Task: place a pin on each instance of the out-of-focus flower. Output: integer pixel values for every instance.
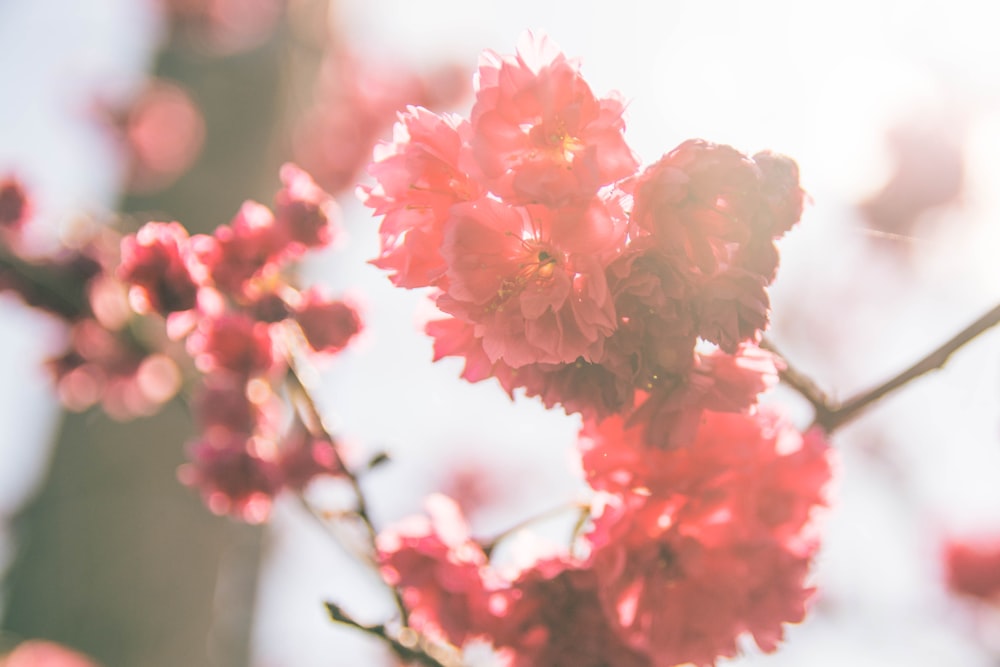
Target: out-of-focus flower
(225, 26)
(163, 131)
(929, 173)
(972, 568)
(327, 324)
(15, 206)
(304, 457)
(356, 103)
(248, 248)
(40, 653)
(232, 342)
(236, 475)
(157, 261)
(304, 211)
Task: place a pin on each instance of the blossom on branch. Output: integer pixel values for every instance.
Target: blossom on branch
(540, 136)
(696, 545)
(159, 265)
(439, 570)
(568, 272)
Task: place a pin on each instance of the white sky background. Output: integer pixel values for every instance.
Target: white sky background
(820, 82)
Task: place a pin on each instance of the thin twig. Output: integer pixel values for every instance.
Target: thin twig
(314, 422)
(410, 651)
(831, 415)
(489, 545)
(321, 519)
(822, 404)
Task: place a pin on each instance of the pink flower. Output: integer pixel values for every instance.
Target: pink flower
(539, 133)
(327, 325)
(595, 390)
(694, 202)
(221, 406)
(656, 326)
(972, 568)
(671, 408)
(106, 367)
(303, 458)
(234, 476)
(554, 618)
(700, 544)
(232, 342)
(783, 197)
(161, 268)
(162, 133)
(439, 570)
(418, 179)
(703, 203)
(592, 389)
(732, 308)
(302, 210)
(455, 338)
(732, 382)
(516, 275)
(40, 653)
(248, 247)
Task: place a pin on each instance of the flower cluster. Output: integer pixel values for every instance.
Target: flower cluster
(127, 368)
(634, 297)
(688, 549)
(147, 311)
(567, 271)
(243, 323)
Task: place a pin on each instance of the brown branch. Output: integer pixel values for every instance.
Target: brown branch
(822, 404)
(407, 647)
(322, 520)
(314, 422)
(831, 414)
(54, 286)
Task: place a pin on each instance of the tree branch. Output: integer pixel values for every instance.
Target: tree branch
(408, 646)
(314, 422)
(831, 414)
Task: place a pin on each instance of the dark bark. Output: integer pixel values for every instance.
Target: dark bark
(115, 557)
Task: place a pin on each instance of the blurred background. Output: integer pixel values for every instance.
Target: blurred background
(118, 111)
